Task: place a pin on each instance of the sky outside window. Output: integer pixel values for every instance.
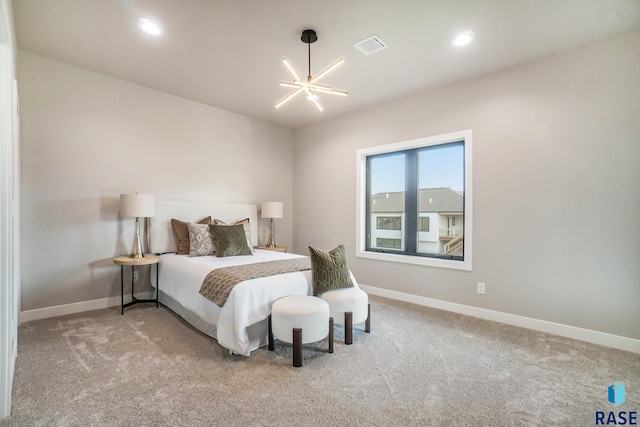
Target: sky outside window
(387, 173)
(439, 166)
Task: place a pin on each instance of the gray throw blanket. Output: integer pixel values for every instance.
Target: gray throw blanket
(218, 284)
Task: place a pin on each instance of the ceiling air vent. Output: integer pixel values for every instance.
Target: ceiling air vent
(370, 45)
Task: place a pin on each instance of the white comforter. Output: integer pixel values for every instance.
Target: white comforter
(248, 304)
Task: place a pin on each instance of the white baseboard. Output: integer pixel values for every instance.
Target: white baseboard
(78, 307)
(595, 337)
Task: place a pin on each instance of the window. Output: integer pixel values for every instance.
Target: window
(388, 243)
(415, 201)
(389, 223)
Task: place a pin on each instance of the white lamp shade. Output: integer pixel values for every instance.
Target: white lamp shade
(272, 209)
(137, 205)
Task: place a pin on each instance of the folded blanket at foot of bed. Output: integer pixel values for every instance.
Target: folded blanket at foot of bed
(217, 285)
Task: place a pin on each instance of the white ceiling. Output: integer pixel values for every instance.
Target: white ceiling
(228, 53)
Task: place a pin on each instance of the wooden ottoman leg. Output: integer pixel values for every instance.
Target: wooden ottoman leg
(271, 344)
(330, 334)
(297, 347)
(367, 323)
(348, 327)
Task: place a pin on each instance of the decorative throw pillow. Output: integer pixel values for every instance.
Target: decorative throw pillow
(329, 270)
(181, 231)
(200, 241)
(229, 240)
(247, 229)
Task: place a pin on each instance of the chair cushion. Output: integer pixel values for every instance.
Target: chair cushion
(300, 311)
(342, 300)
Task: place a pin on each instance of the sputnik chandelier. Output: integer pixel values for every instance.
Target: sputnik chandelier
(310, 86)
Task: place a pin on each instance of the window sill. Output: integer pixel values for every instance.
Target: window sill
(417, 260)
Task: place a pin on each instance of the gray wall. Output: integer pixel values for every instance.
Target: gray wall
(556, 187)
(87, 138)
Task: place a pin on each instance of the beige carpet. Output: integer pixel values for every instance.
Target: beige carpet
(418, 366)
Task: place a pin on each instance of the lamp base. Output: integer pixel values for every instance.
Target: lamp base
(271, 243)
(136, 248)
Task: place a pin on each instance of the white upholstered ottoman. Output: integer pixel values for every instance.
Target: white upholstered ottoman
(300, 319)
(348, 306)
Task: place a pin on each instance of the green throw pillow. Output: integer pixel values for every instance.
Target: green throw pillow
(329, 270)
(229, 240)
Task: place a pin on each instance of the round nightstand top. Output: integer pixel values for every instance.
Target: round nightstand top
(274, 248)
(127, 260)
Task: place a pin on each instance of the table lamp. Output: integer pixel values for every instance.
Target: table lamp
(138, 206)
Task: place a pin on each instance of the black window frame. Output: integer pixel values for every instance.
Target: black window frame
(411, 214)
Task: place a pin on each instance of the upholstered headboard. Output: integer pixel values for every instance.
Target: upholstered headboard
(162, 238)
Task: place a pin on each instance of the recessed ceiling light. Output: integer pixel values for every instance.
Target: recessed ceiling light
(149, 27)
(463, 39)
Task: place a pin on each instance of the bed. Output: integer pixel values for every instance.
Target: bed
(240, 325)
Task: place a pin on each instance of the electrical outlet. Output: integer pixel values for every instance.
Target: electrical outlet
(481, 288)
(135, 277)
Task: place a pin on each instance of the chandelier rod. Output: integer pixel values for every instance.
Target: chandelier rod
(309, 75)
(308, 37)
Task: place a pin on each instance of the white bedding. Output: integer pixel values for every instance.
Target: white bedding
(240, 325)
